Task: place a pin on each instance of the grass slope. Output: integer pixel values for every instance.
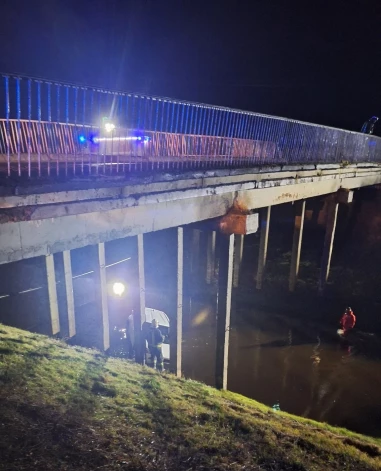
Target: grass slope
(70, 408)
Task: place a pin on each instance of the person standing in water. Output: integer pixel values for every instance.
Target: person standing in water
(348, 320)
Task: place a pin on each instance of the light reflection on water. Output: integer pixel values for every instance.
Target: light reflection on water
(312, 374)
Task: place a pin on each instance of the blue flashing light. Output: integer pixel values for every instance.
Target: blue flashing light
(82, 139)
(94, 139)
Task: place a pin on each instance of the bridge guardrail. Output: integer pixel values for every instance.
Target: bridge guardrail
(54, 128)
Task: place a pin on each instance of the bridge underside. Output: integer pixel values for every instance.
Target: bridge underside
(46, 218)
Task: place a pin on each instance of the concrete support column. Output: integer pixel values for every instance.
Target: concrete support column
(210, 256)
(225, 279)
(300, 207)
(52, 292)
(195, 252)
(238, 251)
(328, 242)
(263, 242)
(176, 334)
(69, 293)
(103, 296)
(139, 315)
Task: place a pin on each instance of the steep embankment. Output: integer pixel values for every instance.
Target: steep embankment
(69, 408)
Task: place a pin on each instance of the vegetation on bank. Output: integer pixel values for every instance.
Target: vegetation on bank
(70, 408)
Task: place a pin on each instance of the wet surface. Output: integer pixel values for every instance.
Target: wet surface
(310, 373)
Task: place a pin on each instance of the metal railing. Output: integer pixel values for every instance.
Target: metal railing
(53, 129)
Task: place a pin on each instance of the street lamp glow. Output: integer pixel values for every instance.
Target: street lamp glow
(118, 288)
(109, 127)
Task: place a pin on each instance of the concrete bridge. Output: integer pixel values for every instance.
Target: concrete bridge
(71, 179)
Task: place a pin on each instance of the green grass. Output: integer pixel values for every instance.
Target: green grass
(71, 408)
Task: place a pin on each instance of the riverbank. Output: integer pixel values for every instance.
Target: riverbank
(70, 408)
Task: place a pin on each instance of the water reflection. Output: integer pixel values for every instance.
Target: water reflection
(312, 374)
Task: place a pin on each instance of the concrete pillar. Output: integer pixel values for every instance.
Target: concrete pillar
(103, 296)
(238, 251)
(52, 293)
(176, 333)
(300, 207)
(69, 292)
(195, 252)
(139, 315)
(210, 256)
(225, 281)
(328, 242)
(263, 242)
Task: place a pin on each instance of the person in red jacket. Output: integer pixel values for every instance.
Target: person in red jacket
(348, 320)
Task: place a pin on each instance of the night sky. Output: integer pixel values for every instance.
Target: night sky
(315, 61)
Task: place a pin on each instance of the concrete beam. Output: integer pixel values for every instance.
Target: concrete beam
(328, 242)
(210, 256)
(25, 239)
(263, 242)
(116, 188)
(69, 293)
(58, 228)
(103, 297)
(177, 323)
(238, 252)
(226, 247)
(52, 293)
(300, 207)
(140, 313)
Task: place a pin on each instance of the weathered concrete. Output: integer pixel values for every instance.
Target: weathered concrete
(176, 336)
(300, 207)
(140, 315)
(226, 247)
(69, 293)
(210, 256)
(103, 297)
(52, 292)
(27, 239)
(40, 224)
(238, 252)
(263, 242)
(328, 242)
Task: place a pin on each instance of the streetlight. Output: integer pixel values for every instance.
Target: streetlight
(109, 127)
(118, 288)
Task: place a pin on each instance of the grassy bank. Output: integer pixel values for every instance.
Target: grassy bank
(69, 408)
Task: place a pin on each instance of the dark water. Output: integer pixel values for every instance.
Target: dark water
(311, 374)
